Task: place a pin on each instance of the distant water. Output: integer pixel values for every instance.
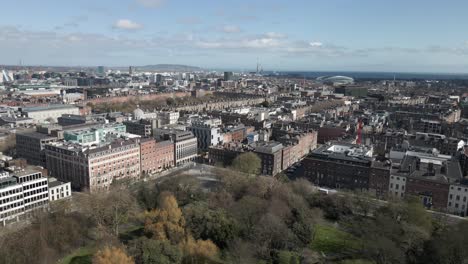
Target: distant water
(376, 75)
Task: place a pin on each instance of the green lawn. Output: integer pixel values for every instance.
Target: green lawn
(329, 239)
(84, 255)
(356, 261)
(80, 256)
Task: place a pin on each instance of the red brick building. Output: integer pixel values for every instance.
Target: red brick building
(329, 133)
(379, 179)
(346, 166)
(287, 159)
(430, 191)
(148, 155)
(164, 154)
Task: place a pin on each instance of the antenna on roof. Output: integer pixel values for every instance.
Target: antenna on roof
(257, 65)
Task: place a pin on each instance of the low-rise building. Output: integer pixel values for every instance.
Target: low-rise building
(30, 146)
(185, 144)
(148, 154)
(22, 191)
(346, 166)
(142, 127)
(164, 155)
(397, 186)
(59, 190)
(426, 174)
(458, 200)
(94, 134)
(51, 112)
(271, 155)
(207, 132)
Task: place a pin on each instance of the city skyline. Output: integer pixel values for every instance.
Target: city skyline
(296, 35)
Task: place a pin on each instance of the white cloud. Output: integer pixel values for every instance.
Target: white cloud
(275, 35)
(315, 44)
(73, 38)
(127, 24)
(243, 43)
(151, 3)
(60, 48)
(231, 29)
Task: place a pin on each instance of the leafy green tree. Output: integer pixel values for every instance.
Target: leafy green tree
(265, 104)
(287, 257)
(213, 224)
(146, 251)
(415, 214)
(447, 246)
(170, 101)
(248, 212)
(167, 223)
(248, 163)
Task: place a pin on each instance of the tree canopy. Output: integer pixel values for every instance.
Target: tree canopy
(248, 162)
(112, 255)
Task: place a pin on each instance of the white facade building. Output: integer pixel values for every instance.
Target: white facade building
(11, 199)
(21, 193)
(185, 150)
(397, 186)
(458, 200)
(207, 132)
(41, 114)
(168, 117)
(58, 190)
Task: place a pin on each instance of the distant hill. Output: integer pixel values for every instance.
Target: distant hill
(168, 67)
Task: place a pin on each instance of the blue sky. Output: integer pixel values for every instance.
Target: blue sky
(351, 35)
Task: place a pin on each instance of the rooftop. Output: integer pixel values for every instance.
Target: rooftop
(344, 151)
(36, 135)
(55, 183)
(49, 107)
(270, 147)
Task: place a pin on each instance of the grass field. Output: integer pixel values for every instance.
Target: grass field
(80, 256)
(329, 239)
(356, 261)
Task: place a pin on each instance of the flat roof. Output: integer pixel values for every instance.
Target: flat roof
(56, 183)
(47, 108)
(35, 134)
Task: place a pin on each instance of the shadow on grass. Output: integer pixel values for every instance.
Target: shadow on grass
(87, 259)
(132, 234)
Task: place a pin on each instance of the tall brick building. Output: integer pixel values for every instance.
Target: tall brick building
(271, 155)
(155, 156)
(148, 153)
(94, 168)
(164, 154)
(346, 166)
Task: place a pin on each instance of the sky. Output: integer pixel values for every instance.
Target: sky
(292, 35)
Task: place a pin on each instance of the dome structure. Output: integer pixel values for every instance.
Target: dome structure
(336, 80)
